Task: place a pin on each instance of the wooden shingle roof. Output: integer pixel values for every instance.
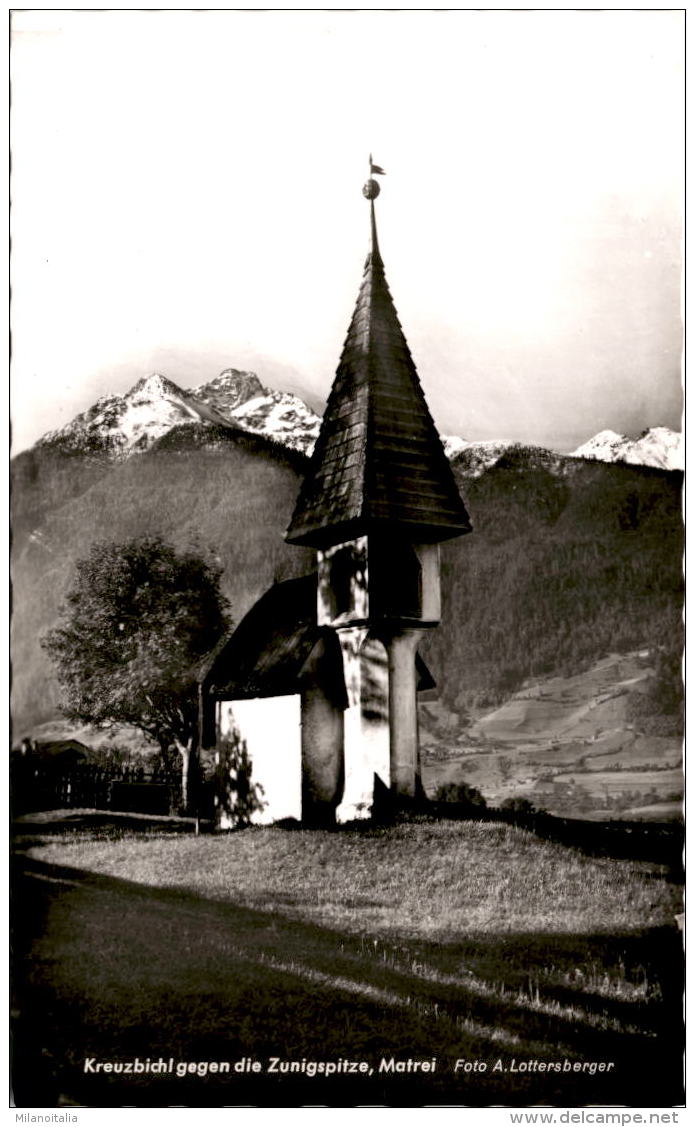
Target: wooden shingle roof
(265, 654)
(378, 460)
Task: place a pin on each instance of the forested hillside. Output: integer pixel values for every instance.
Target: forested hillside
(569, 559)
(232, 492)
(562, 568)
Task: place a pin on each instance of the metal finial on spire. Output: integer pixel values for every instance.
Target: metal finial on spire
(372, 188)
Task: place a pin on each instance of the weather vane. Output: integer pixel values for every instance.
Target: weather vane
(371, 189)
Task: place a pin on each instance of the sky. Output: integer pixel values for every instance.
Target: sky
(186, 197)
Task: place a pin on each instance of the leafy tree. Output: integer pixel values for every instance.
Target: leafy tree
(659, 710)
(137, 620)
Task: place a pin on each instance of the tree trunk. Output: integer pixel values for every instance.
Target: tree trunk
(189, 791)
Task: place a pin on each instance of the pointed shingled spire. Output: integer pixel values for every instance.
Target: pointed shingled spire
(378, 462)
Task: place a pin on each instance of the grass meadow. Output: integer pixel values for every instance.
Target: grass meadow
(476, 942)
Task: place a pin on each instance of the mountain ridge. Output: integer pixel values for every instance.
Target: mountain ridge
(119, 426)
(122, 425)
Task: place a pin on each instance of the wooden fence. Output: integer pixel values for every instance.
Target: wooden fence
(39, 785)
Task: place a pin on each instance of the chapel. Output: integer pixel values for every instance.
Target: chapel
(320, 680)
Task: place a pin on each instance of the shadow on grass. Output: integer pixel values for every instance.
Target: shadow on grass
(102, 823)
(114, 970)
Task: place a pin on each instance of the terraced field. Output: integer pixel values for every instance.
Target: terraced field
(566, 744)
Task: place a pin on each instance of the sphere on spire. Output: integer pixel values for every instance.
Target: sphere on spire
(371, 189)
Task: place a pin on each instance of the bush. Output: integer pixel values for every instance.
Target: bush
(519, 806)
(462, 794)
(238, 798)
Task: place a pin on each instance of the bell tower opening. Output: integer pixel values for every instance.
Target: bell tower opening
(341, 573)
(395, 579)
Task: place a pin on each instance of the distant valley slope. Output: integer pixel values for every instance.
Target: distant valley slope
(573, 745)
(572, 558)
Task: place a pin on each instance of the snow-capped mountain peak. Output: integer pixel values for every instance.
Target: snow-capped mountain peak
(282, 416)
(473, 458)
(121, 425)
(245, 402)
(152, 386)
(659, 447)
(230, 389)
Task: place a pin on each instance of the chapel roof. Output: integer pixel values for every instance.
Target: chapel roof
(267, 651)
(267, 654)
